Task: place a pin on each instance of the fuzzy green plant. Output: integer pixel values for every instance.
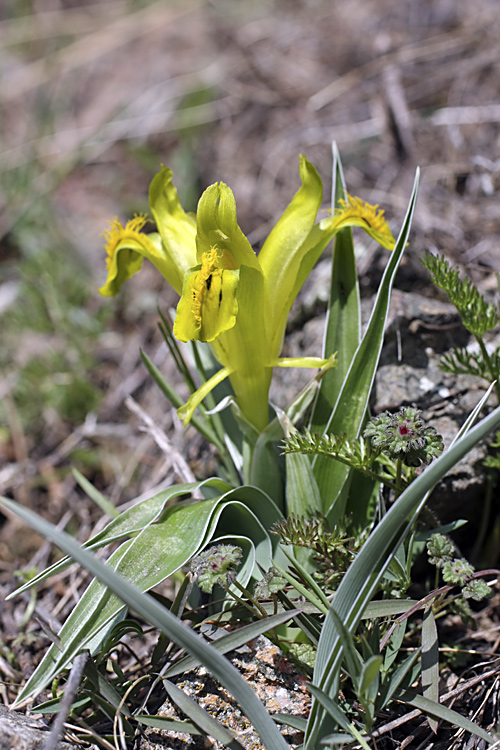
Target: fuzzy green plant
(391, 448)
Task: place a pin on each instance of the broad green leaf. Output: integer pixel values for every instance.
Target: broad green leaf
(263, 508)
(159, 617)
(387, 608)
(157, 552)
(302, 493)
(393, 645)
(266, 469)
(296, 722)
(127, 524)
(369, 672)
(352, 403)
(364, 575)
(148, 559)
(342, 331)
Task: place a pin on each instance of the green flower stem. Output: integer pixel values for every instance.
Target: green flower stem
(304, 591)
(489, 364)
(254, 607)
(399, 478)
(260, 613)
(363, 469)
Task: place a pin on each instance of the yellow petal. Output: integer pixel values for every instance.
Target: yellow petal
(356, 213)
(208, 305)
(125, 249)
(306, 362)
(177, 228)
(186, 411)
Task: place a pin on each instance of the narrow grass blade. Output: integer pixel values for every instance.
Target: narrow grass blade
(342, 329)
(98, 498)
(392, 685)
(171, 394)
(338, 715)
(309, 626)
(234, 640)
(430, 661)
(199, 716)
(296, 722)
(352, 403)
(438, 711)
(169, 725)
(162, 619)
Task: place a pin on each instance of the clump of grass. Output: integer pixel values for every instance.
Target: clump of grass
(49, 333)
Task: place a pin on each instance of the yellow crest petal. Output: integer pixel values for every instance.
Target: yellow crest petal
(117, 232)
(355, 212)
(208, 305)
(125, 248)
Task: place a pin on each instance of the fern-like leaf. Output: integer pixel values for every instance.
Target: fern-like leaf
(478, 316)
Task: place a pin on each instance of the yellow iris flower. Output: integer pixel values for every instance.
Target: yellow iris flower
(230, 297)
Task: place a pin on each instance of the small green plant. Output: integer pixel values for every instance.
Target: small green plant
(53, 364)
(226, 340)
(391, 448)
(332, 551)
(478, 316)
(456, 571)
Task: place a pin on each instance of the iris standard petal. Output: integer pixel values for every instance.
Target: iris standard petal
(176, 228)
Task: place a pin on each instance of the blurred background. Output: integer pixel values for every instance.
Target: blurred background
(95, 96)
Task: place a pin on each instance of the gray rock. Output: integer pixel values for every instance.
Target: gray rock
(20, 732)
(275, 681)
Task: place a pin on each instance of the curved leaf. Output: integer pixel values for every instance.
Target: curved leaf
(161, 618)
